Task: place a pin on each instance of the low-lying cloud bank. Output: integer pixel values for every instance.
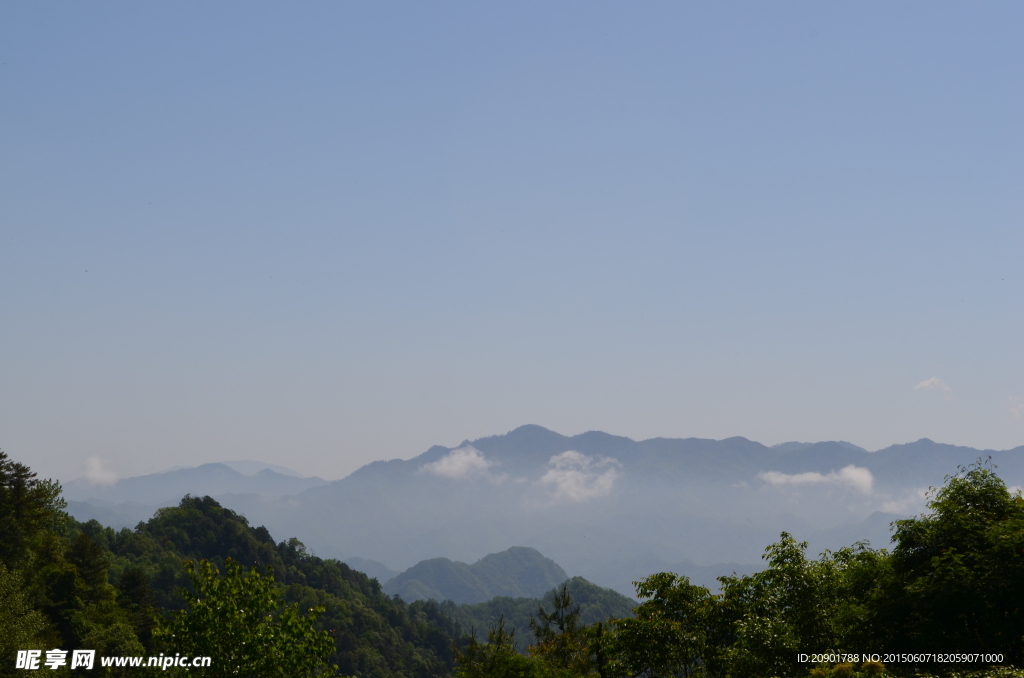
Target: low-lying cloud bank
(856, 477)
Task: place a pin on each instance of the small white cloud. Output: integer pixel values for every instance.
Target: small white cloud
(912, 502)
(855, 476)
(933, 384)
(97, 473)
(464, 463)
(1016, 408)
(577, 477)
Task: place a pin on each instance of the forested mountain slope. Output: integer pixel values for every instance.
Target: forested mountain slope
(518, 572)
(597, 604)
(70, 585)
(374, 632)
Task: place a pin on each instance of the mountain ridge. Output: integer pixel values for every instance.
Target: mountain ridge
(516, 572)
(205, 479)
(609, 508)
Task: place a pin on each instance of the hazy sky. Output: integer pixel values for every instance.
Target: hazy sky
(323, 234)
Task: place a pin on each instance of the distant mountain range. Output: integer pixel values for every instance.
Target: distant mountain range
(131, 500)
(606, 507)
(211, 479)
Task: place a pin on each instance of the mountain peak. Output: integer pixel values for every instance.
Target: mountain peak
(517, 572)
(248, 467)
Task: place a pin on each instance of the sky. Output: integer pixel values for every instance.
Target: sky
(325, 234)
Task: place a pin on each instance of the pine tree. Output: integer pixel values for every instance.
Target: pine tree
(29, 507)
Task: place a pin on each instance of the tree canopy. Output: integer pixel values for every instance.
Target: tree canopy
(237, 619)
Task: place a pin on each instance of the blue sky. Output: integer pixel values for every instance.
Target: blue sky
(327, 234)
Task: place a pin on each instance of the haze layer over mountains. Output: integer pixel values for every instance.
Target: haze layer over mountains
(605, 507)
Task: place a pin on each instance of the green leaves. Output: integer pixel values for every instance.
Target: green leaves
(562, 642)
(957, 575)
(498, 658)
(674, 630)
(237, 620)
(20, 624)
(29, 508)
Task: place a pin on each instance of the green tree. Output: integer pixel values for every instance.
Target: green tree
(498, 658)
(793, 605)
(19, 623)
(135, 596)
(90, 559)
(956, 578)
(29, 508)
(674, 631)
(558, 633)
(566, 644)
(754, 628)
(237, 620)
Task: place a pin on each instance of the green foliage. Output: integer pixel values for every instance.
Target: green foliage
(566, 644)
(994, 672)
(29, 508)
(237, 620)
(135, 596)
(957, 574)
(498, 658)
(90, 561)
(59, 591)
(791, 606)
(755, 627)
(953, 583)
(559, 633)
(595, 602)
(20, 624)
(374, 635)
(565, 647)
(676, 631)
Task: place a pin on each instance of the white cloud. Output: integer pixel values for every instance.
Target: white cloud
(97, 473)
(913, 501)
(933, 384)
(462, 464)
(577, 477)
(855, 476)
(1016, 408)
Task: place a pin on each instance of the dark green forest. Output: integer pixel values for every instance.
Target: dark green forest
(69, 585)
(596, 604)
(197, 579)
